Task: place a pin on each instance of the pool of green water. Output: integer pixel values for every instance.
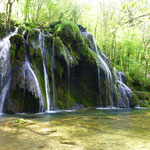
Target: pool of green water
(95, 129)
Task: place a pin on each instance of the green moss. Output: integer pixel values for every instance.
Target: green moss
(70, 34)
(33, 36)
(144, 104)
(17, 99)
(64, 100)
(134, 100)
(61, 50)
(48, 61)
(17, 49)
(21, 120)
(37, 63)
(71, 37)
(54, 23)
(59, 70)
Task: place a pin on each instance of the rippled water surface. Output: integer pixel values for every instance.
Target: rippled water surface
(95, 129)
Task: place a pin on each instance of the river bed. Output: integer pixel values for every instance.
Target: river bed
(94, 129)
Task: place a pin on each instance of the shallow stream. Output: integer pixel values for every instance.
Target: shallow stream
(95, 129)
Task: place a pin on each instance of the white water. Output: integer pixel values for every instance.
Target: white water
(122, 88)
(27, 66)
(56, 111)
(3, 94)
(47, 87)
(5, 68)
(4, 54)
(108, 108)
(109, 76)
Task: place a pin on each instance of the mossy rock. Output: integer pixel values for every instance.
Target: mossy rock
(63, 98)
(36, 58)
(33, 37)
(134, 100)
(61, 50)
(17, 49)
(53, 24)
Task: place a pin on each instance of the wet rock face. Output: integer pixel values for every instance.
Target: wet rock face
(23, 91)
(78, 72)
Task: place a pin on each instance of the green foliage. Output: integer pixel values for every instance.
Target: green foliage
(21, 29)
(144, 103)
(33, 35)
(143, 95)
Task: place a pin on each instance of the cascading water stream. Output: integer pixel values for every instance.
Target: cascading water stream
(27, 67)
(47, 87)
(5, 68)
(124, 90)
(109, 76)
(3, 94)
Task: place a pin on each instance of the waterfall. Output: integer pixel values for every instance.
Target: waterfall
(53, 77)
(124, 91)
(5, 68)
(3, 94)
(47, 87)
(27, 66)
(109, 76)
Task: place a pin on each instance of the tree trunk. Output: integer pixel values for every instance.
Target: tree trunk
(8, 13)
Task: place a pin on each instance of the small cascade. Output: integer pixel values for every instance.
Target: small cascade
(109, 76)
(3, 94)
(5, 68)
(47, 87)
(53, 76)
(124, 91)
(28, 67)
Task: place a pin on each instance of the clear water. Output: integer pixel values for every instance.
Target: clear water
(96, 129)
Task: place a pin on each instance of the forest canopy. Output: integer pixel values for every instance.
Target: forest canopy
(121, 28)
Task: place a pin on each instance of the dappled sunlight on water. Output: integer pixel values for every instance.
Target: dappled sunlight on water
(124, 129)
